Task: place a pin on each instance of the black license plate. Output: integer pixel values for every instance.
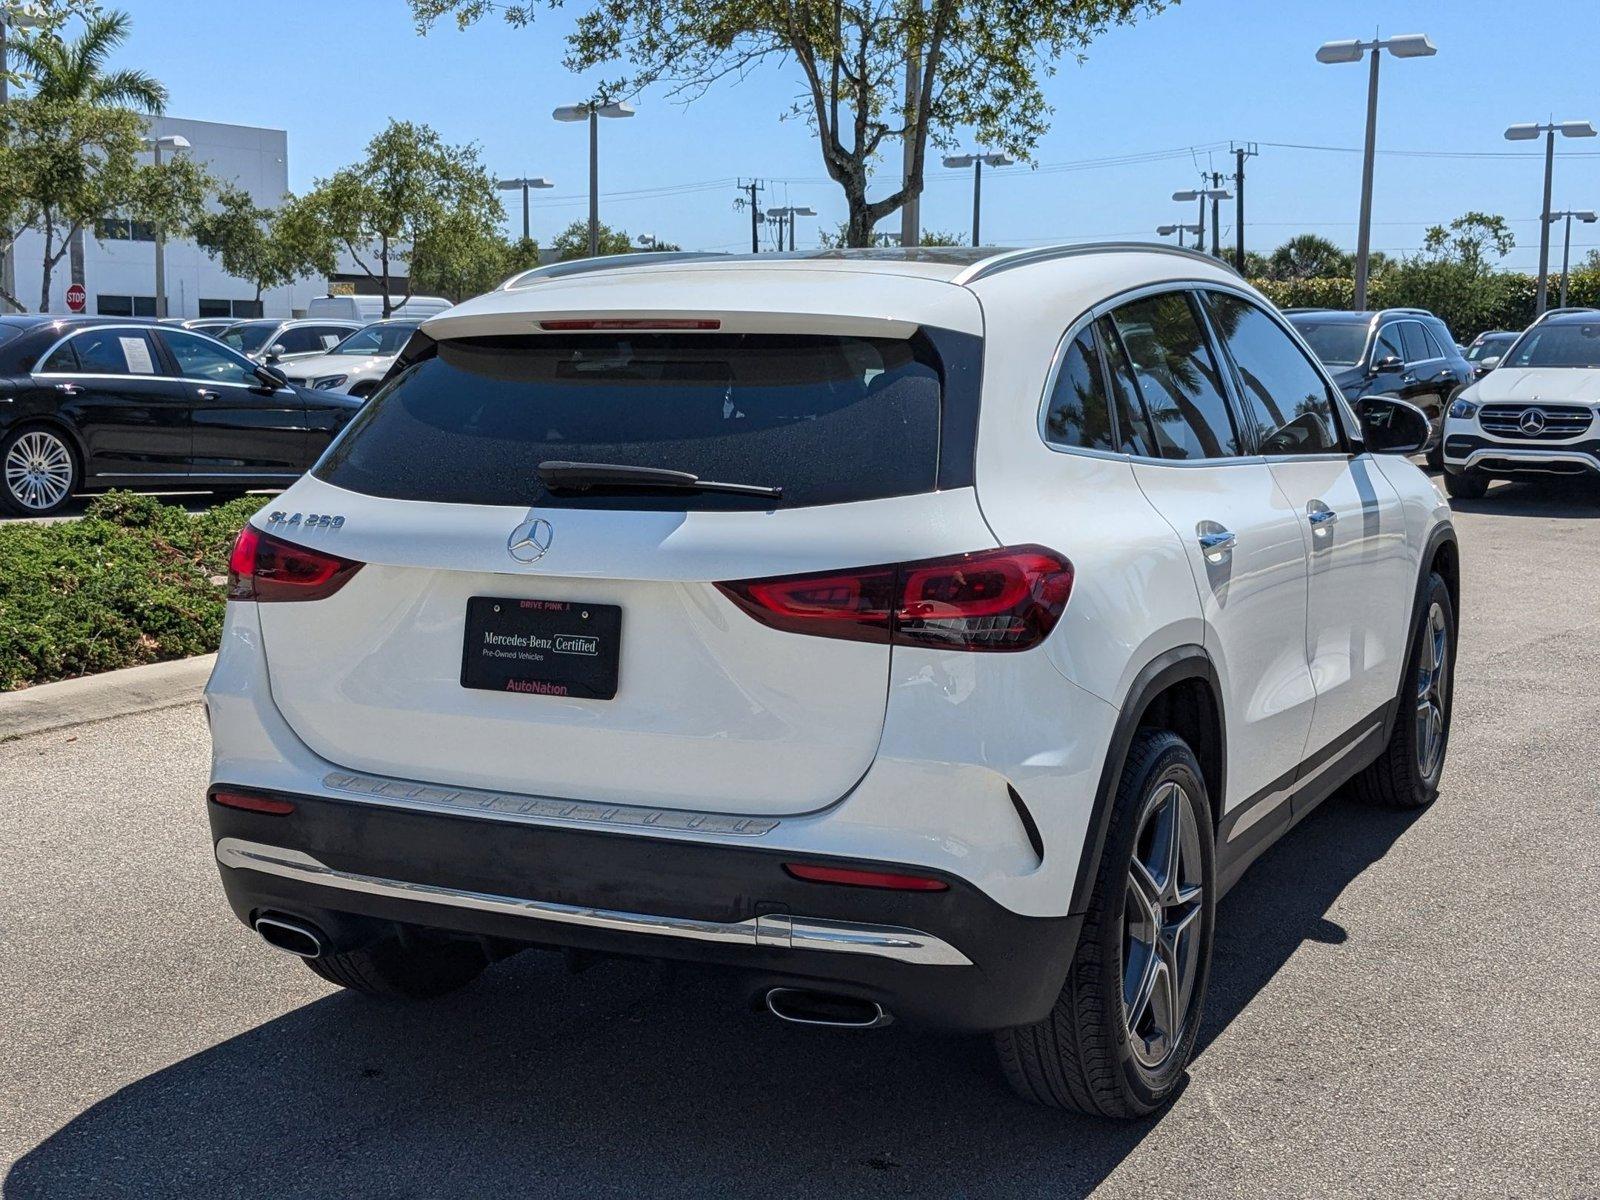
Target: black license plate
(542, 647)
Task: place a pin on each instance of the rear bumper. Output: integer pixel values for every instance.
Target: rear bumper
(952, 958)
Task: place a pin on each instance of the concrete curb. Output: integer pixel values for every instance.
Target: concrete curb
(101, 697)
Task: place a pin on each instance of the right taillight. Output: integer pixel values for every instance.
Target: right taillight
(268, 569)
(1006, 599)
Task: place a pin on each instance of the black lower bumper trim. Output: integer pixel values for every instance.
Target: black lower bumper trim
(1016, 965)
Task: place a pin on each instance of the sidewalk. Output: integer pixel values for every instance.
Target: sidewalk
(100, 697)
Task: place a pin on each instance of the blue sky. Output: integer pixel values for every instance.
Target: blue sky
(1169, 93)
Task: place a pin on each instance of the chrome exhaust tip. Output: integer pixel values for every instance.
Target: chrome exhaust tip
(799, 1006)
(292, 937)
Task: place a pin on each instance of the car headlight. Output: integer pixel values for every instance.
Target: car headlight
(328, 381)
(1462, 409)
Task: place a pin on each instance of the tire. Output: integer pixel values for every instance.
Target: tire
(39, 471)
(403, 968)
(1435, 457)
(1406, 774)
(1085, 1055)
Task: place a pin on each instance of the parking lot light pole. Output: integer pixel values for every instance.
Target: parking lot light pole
(522, 185)
(781, 215)
(1180, 230)
(1528, 133)
(976, 162)
(591, 112)
(177, 142)
(1406, 45)
(1571, 214)
(1202, 195)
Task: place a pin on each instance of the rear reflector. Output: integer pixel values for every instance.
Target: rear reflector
(850, 877)
(1006, 599)
(260, 804)
(592, 324)
(265, 568)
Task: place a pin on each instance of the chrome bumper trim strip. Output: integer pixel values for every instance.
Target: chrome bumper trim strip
(781, 930)
(540, 808)
(1534, 458)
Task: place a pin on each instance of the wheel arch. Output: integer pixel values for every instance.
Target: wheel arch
(1177, 690)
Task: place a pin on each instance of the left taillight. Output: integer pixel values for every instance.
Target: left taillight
(1005, 599)
(268, 569)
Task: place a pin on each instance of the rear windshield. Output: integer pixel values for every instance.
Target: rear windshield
(828, 419)
(248, 337)
(1563, 345)
(1336, 343)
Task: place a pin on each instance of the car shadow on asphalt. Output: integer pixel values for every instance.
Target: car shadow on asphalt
(629, 1080)
(1575, 498)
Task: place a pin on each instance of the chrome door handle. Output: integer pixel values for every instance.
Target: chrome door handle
(1322, 516)
(70, 389)
(1217, 541)
(207, 394)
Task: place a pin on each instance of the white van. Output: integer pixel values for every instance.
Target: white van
(370, 308)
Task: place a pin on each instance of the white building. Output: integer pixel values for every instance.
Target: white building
(119, 257)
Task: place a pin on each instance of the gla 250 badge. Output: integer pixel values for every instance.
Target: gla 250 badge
(283, 520)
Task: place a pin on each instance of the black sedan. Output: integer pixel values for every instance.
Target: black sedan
(88, 403)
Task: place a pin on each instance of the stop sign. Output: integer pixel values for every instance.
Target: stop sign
(77, 298)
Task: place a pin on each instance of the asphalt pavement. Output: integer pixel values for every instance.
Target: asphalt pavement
(1401, 1004)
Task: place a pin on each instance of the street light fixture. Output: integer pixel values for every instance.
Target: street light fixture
(591, 112)
(1527, 133)
(1406, 45)
(1570, 215)
(1180, 230)
(1202, 195)
(960, 162)
(788, 214)
(522, 185)
(176, 142)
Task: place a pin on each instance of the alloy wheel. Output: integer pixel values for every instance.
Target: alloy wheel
(38, 470)
(1432, 680)
(1161, 926)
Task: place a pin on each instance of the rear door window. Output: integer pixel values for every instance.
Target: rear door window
(1177, 376)
(1415, 337)
(827, 419)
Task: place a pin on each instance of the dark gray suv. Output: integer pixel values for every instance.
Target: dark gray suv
(1404, 352)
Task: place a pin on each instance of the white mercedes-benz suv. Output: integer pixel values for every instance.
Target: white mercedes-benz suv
(1536, 413)
(931, 635)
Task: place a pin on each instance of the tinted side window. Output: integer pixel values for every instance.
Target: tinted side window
(298, 340)
(1133, 427)
(62, 359)
(1177, 377)
(1285, 398)
(1415, 338)
(203, 359)
(1078, 414)
(1388, 344)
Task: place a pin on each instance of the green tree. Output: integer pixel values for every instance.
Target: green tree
(573, 241)
(980, 64)
(1308, 256)
(1470, 241)
(414, 202)
(71, 147)
(942, 237)
(253, 243)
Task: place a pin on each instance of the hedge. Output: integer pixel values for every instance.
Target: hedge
(134, 581)
(1468, 302)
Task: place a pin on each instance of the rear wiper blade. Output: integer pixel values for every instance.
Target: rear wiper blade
(558, 475)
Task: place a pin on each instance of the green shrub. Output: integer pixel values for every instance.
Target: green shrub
(134, 581)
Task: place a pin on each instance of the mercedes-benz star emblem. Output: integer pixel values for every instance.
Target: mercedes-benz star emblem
(1531, 422)
(530, 541)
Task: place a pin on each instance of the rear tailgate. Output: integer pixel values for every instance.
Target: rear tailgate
(712, 711)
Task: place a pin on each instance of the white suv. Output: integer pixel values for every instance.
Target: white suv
(1536, 413)
(931, 635)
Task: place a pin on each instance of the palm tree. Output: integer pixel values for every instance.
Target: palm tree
(1308, 256)
(68, 76)
(73, 72)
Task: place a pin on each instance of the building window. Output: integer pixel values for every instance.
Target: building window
(125, 306)
(122, 229)
(239, 310)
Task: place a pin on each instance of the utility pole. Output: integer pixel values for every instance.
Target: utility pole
(751, 189)
(1241, 151)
